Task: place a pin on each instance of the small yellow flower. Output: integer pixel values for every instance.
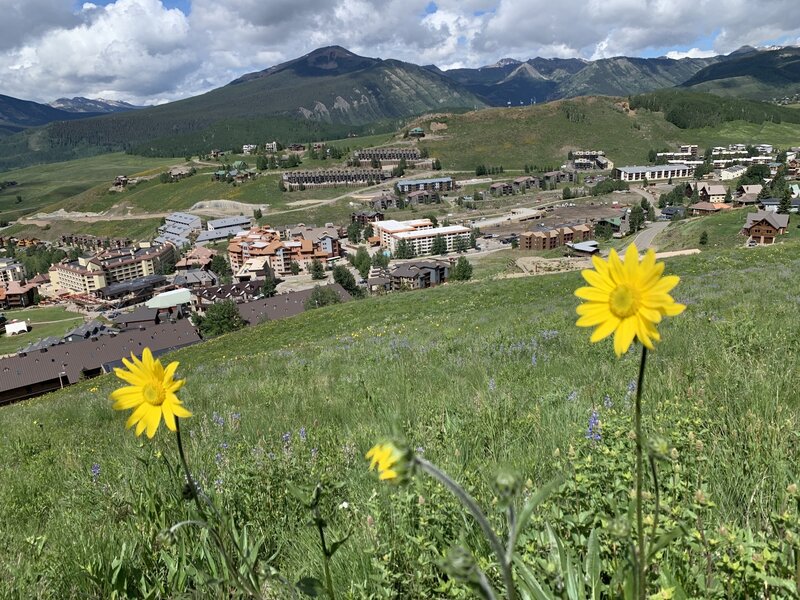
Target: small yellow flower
(386, 458)
(151, 393)
(627, 299)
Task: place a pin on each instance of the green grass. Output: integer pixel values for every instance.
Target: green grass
(453, 369)
(10, 344)
(135, 229)
(44, 185)
(723, 232)
(543, 135)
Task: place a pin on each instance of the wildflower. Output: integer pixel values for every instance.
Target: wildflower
(218, 420)
(314, 453)
(287, 438)
(593, 431)
(492, 385)
(533, 360)
(389, 460)
(627, 299)
(224, 445)
(303, 434)
(573, 395)
(95, 472)
(631, 386)
(607, 401)
(344, 505)
(151, 393)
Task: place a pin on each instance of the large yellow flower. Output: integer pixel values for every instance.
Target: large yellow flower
(151, 393)
(627, 299)
(386, 458)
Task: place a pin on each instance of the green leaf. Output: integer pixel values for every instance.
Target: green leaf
(592, 566)
(338, 544)
(535, 500)
(532, 586)
(311, 586)
(662, 541)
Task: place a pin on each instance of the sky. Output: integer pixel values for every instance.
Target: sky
(155, 51)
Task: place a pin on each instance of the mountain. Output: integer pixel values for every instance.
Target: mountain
(328, 93)
(759, 75)
(79, 104)
(16, 114)
(541, 79)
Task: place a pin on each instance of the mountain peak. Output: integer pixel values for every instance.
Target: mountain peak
(79, 104)
(503, 62)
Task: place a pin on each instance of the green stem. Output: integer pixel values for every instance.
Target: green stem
(475, 510)
(640, 563)
(654, 472)
(211, 528)
(325, 555)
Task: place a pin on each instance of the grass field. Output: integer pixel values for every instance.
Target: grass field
(45, 185)
(136, 229)
(543, 135)
(478, 376)
(40, 326)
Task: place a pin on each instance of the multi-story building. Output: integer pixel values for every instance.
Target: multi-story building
(11, 270)
(419, 234)
(266, 242)
(363, 217)
(389, 154)
(654, 172)
(86, 275)
(324, 238)
(437, 184)
(332, 177)
(547, 239)
(182, 219)
(271, 147)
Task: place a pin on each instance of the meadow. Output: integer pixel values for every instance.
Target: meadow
(477, 377)
(45, 185)
(44, 322)
(136, 229)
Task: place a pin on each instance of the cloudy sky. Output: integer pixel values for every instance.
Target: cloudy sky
(153, 51)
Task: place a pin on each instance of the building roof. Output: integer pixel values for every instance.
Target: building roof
(181, 217)
(217, 234)
(449, 229)
(424, 181)
(652, 168)
(414, 269)
(133, 285)
(228, 222)
(195, 277)
(707, 206)
(774, 219)
(169, 299)
(283, 305)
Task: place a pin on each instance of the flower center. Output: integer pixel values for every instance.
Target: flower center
(624, 301)
(153, 394)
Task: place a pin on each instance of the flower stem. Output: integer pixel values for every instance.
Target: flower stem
(326, 556)
(641, 557)
(189, 479)
(475, 510)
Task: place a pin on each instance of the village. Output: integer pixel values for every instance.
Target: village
(413, 226)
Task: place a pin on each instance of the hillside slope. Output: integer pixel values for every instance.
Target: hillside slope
(757, 75)
(477, 376)
(16, 114)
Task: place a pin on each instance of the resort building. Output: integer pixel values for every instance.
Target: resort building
(654, 172)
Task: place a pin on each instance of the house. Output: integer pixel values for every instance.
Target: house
(18, 294)
(296, 148)
(672, 213)
(416, 132)
(707, 208)
(501, 189)
(795, 190)
(613, 223)
(131, 291)
(419, 234)
(769, 204)
(520, 184)
(195, 278)
(708, 192)
(249, 148)
(390, 156)
(589, 248)
(383, 201)
(120, 181)
(245, 291)
(422, 197)
(763, 227)
(271, 147)
(185, 220)
(229, 224)
(364, 217)
(355, 176)
(553, 178)
(178, 173)
(197, 258)
(419, 274)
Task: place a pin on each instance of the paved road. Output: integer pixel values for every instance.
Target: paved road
(645, 239)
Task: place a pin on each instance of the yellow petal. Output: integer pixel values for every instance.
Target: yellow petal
(169, 372)
(179, 410)
(592, 319)
(126, 397)
(153, 418)
(388, 474)
(590, 308)
(623, 338)
(136, 416)
(591, 294)
(129, 377)
(631, 258)
(643, 335)
(665, 284)
(673, 309)
(650, 314)
(169, 416)
(605, 329)
(594, 279)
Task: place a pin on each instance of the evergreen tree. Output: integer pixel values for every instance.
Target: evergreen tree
(368, 231)
(270, 287)
(785, 204)
(404, 250)
(344, 278)
(461, 245)
(316, 269)
(321, 296)
(704, 238)
(221, 267)
(221, 317)
(566, 194)
(354, 232)
(439, 245)
(294, 267)
(362, 261)
(651, 213)
(379, 259)
(462, 271)
(636, 219)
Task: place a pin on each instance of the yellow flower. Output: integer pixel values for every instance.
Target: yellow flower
(151, 393)
(627, 298)
(386, 458)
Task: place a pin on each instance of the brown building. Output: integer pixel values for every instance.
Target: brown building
(364, 217)
(501, 189)
(763, 227)
(332, 177)
(547, 239)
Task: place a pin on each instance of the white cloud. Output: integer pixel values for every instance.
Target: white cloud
(138, 50)
(691, 53)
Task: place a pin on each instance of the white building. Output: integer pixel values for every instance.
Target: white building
(181, 219)
(653, 173)
(271, 147)
(732, 172)
(419, 234)
(249, 148)
(11, 270)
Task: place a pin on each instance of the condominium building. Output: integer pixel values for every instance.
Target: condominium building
(332, 177)
(88, 274)
(11, 270)
(435, 184)
(419, 234)
(654, 172)
(547, 239)
(266, 242)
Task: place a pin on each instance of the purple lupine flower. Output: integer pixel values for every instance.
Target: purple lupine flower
(631, 386)
(593, 430)
(303, 434)
(314, 453)
(573, 395)
(95, 472)
(492, 385)
(533, 360)
(218, 420)
(607, 401)
(287, 438)
(419, 450)
(271, 456)
(218, 458)
(236, 416)
(224, 445)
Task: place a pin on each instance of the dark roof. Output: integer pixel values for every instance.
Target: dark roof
(134, 285)
(71, 360)
(774, 219)
(230, 291)
(282, 305)
(413, 269)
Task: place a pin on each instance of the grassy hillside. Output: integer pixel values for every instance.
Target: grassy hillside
(135, 229)
(544, 134)
(45, 185)
(44, 322)
(477, 376)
